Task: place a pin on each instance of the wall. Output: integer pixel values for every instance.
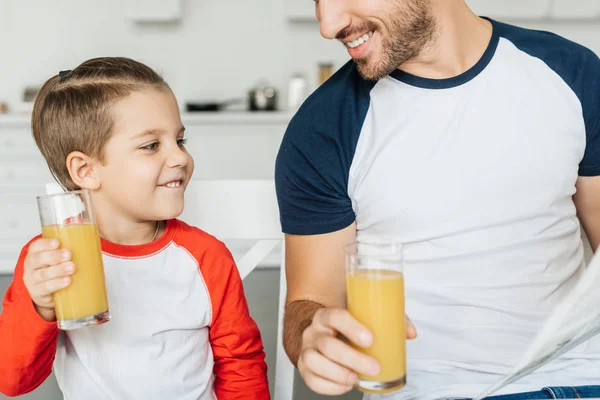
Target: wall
(220, 49)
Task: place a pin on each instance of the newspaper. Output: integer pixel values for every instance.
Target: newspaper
(575, 320)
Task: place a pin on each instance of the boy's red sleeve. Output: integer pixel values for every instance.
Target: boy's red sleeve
(27, 342)
(240, 369)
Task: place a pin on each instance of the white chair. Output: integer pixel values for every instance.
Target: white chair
(245, 210)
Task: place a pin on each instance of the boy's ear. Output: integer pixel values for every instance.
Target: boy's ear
(83, 170)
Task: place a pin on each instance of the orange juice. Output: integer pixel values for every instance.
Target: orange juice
(86, 295)
(376, 299)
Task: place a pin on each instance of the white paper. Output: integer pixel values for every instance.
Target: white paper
(575, 320)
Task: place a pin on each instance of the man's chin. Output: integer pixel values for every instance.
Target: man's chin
(369, 72)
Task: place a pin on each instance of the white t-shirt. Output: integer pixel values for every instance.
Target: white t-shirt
(475, 174)
(180, 328)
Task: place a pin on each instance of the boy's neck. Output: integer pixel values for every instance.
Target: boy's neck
(129, 233)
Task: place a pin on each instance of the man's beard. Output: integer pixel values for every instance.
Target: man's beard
(411, 28)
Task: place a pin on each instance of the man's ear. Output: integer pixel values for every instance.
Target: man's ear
(83, 170)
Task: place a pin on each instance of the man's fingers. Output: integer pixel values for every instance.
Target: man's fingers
(321, 366)
(344, 355)
(323, 386)
(341, 321)
(411, 331)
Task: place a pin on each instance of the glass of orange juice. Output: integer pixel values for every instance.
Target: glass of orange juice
(375, 297)
(69, 217)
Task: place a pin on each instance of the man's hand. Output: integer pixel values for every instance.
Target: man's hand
(327, 364)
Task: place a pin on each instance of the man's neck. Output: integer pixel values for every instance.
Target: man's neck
(460, 40)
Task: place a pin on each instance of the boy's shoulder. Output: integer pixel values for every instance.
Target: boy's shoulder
(199, 243)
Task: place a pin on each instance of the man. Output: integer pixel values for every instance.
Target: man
(475, 143)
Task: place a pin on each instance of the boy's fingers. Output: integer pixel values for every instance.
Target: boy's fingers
(55, 271)
(43, 244)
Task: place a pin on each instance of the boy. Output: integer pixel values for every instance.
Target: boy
(180, 326)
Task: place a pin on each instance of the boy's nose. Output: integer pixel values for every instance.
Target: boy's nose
(178, 157)
(333, 17)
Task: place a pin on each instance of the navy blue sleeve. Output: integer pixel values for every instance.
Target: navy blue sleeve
(313, 163)
(579, 67)
(590, 99)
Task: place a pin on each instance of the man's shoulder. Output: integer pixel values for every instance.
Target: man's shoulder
(326, 127)
(345, 95)
(550, 47)
(316, 153)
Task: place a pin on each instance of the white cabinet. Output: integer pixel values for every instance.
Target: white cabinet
(154, 10)
(304, 10)
(300, 10)
(224, 145)
(512, 9)
(576, 9)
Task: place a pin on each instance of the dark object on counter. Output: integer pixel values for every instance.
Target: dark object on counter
(262, 98)
(3, 107)
(29, 93)
(325, 72)
(210, 105)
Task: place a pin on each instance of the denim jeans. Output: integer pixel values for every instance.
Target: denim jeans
(554, 392)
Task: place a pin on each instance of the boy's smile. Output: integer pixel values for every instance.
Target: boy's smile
(146, 167)
(176, 184)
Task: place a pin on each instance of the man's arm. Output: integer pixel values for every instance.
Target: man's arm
(315, 279)
(587, 202)
(315, 314)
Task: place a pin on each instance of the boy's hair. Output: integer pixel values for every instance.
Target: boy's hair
(72, 109)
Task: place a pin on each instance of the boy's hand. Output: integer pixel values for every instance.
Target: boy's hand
(46, 270)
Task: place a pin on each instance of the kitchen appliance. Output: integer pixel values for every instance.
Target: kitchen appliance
(210, 106)
(262, 98)
(325, 72)
(297, 91)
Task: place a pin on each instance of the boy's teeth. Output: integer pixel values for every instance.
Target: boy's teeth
(173, 184)
(355, 43)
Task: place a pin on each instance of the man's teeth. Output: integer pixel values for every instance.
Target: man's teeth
(173, 184)
(355, 43)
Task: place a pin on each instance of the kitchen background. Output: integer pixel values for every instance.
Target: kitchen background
(216, 49)
(208, 50)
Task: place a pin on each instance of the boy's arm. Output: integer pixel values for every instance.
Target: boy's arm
(27, 342)
(240, 369)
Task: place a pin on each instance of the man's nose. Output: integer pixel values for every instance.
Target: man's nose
(333, 17)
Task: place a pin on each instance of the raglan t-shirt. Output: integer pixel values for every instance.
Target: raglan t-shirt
(475, 175)
(180, 329)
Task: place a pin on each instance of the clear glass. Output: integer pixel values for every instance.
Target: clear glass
(375, 297)
(69, 217)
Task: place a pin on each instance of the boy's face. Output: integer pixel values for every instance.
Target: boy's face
(146, 167)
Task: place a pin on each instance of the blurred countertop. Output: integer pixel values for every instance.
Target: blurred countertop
(218, 117)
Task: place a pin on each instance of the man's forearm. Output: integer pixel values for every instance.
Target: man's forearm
(298, 316)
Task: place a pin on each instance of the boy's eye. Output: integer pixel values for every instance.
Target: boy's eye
(151, 146)
(181, 142)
